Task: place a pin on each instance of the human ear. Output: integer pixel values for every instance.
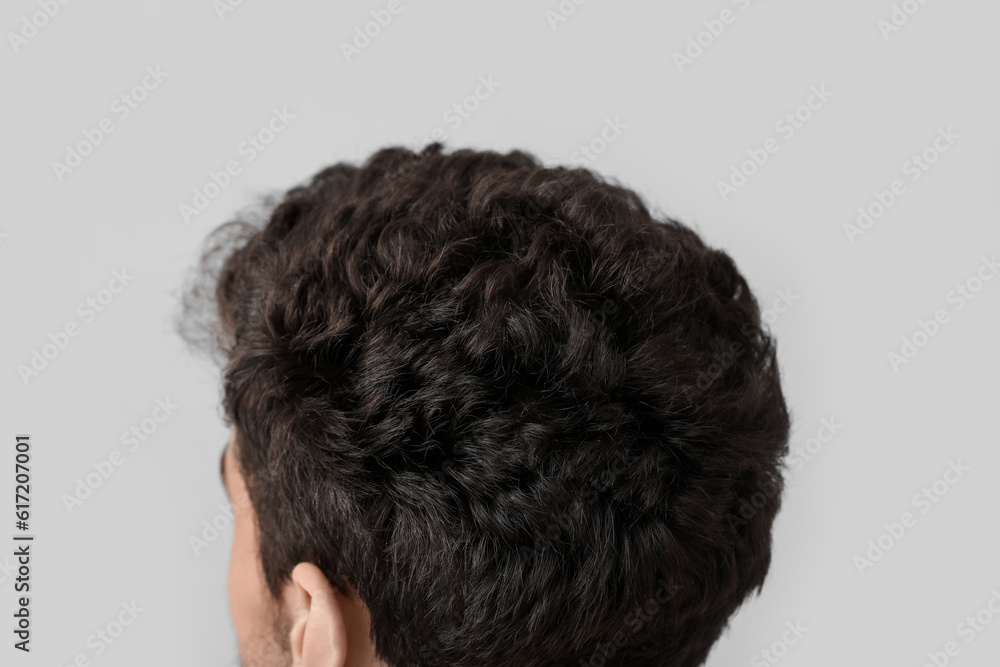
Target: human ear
(319, 634)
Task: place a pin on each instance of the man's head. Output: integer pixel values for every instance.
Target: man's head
(489, 413)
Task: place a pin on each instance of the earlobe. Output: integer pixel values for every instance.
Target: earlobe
(319, 632)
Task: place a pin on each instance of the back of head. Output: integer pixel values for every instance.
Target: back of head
(516, 412)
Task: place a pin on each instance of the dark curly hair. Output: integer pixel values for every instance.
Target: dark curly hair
(478, 390)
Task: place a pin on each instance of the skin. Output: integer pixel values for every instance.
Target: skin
(311, 624)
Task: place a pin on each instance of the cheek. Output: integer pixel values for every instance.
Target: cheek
(248, 603)
(237, 581)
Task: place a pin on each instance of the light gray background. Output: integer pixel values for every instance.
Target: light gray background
(685, 129)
